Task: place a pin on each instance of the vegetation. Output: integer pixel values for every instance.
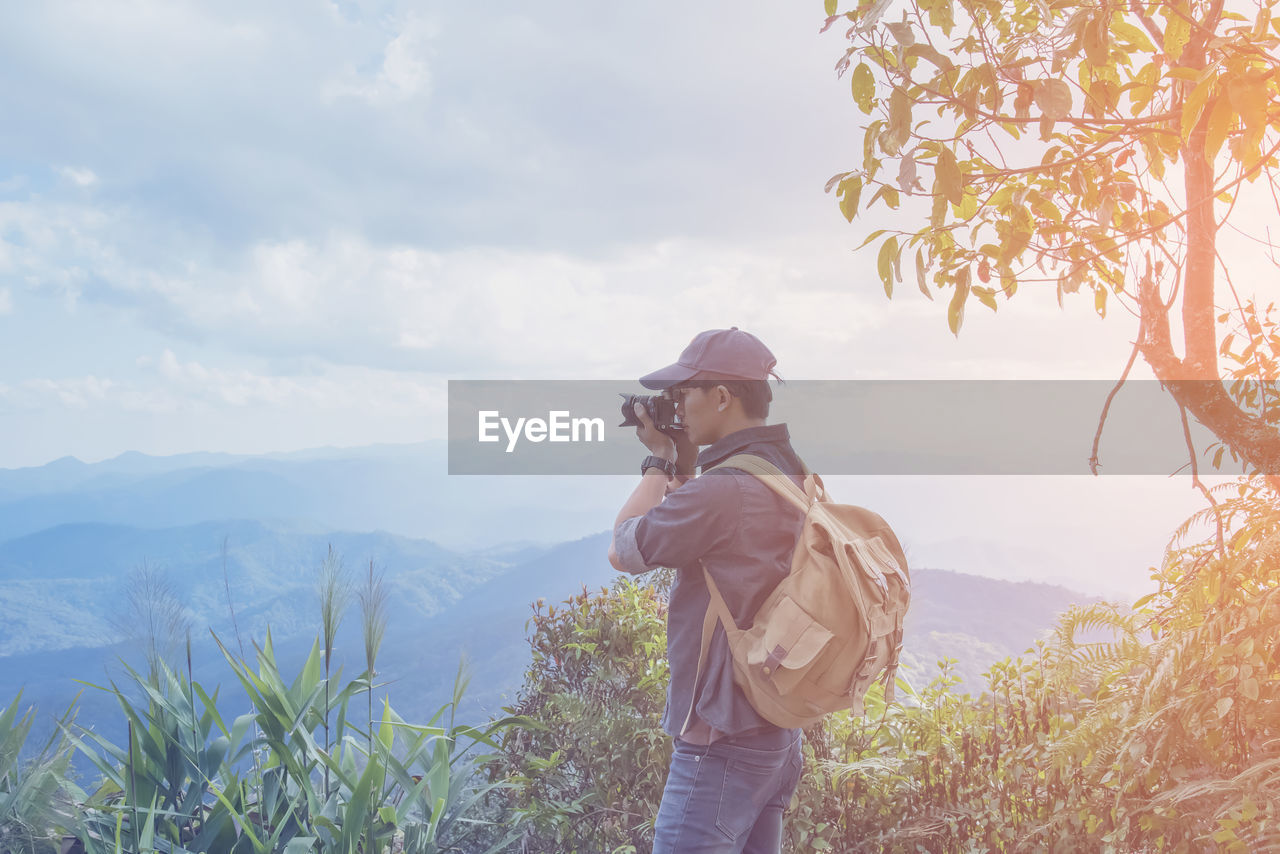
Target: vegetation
(1149, 728)
(1142, 729)
(290, 774)
(588, 763)
(1095, 147)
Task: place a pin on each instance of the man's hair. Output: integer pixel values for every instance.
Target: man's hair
(755, 395)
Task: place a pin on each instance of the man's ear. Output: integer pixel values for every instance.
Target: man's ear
(723, 398)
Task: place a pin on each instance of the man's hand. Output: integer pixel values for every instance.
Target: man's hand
(658, 443)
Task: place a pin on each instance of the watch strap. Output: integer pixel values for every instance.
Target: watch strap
(668, 467)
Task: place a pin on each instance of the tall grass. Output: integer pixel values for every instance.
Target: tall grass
(290, 775)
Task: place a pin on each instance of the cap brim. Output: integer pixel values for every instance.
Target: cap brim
(665, 378)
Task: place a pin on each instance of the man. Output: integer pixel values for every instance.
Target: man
(732, 772)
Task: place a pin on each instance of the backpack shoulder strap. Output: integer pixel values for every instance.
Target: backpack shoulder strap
(773, 477)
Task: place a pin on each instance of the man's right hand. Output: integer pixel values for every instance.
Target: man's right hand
(659, 444)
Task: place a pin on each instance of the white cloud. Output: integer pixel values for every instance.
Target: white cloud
(326, 388)
(403, 74)
(506, 312)
(73, 393)
(6, 302)
(80, 177)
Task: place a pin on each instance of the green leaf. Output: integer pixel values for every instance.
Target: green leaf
(1053, 97)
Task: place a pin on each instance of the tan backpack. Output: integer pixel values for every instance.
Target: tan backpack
(832, 625)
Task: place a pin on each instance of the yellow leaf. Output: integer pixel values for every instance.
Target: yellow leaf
(1194, 104)
(1222, 119)
(947, 177)
(1177, 32)
(863, 84)
(1249, 98)
(1133, 37)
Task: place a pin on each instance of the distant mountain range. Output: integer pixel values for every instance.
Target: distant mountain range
(401, 488)
(248, 535)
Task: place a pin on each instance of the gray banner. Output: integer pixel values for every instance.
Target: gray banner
(846, 427)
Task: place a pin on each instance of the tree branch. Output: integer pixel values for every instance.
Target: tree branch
(1102, 420)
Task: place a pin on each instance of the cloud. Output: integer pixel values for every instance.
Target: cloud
(79, 177)
(325, 388)
(6, 302)
(72, 393)
(168, 384)
(237, 122)
(475, 311)
(403, 75)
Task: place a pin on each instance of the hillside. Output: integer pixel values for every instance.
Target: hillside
(62, 591)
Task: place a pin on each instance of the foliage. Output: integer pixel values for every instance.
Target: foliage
(1092, 147)
(1148, 728)
(588, 767)
(34, 796)
(154, 617)
(180, 783)
(1165, 736)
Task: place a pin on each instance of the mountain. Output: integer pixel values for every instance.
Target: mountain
(975, 620)
(405, 489)
(65, 591)
(237, 542)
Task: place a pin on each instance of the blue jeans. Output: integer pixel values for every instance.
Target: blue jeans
(726, 798)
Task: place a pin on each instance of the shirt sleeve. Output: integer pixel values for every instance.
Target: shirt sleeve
(624, 543)
(694, 519)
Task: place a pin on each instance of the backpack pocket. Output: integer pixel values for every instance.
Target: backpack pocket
(792, 641)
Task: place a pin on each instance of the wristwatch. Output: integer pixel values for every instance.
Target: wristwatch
(652, 462)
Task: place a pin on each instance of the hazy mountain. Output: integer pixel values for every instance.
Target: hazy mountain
(66, 590)
(239, 542)
(405, 489)
(975, 620)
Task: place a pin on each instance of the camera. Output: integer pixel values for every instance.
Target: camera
(660, 410)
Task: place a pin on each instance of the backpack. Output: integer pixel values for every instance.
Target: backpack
(825, 633)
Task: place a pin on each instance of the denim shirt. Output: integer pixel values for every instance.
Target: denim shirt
(744, 534)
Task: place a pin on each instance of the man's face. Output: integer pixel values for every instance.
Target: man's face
(697, 410)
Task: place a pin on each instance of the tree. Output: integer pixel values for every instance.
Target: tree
(1097, 146)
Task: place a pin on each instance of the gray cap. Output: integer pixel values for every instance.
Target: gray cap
(717, 354)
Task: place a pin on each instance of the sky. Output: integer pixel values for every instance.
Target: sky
(255, 227)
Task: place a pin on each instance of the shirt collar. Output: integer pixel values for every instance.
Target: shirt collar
(727, 446)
